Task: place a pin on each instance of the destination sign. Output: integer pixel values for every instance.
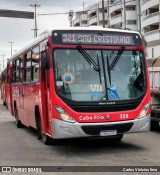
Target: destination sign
(97, 39)
(114, 38)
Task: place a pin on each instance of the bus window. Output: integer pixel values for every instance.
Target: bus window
(27, 76)
(17, 71)
(8, 78)
(14, 71)
(35, 64)
(21, 70)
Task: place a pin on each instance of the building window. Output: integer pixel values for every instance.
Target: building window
(130, 22)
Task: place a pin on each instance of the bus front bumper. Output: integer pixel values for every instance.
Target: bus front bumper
(62, 129)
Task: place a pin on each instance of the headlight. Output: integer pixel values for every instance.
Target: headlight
(64, 115)
(144, 111)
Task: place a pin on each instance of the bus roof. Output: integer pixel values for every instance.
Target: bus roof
(90, 28)
(48, 32)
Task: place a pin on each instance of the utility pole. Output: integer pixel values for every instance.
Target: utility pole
(70, 18)
(3, 60)
(124, 9)
(11, 42)
(139, 15)
(103, 14)
(84, 6)
(108, 13)
(35, 18)
(15, 51)
(34, 32)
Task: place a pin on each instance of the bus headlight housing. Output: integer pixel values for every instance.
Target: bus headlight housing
(64, 115)
(144, 111)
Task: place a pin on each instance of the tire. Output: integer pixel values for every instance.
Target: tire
(117, 138)
(46, 139)
(155, 126)
(4, 103)
(39, 126)
(18, 122)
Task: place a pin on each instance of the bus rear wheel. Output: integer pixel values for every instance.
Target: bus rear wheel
(18, 122)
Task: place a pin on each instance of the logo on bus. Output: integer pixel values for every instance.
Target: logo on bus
(68, 78)
(108, 117)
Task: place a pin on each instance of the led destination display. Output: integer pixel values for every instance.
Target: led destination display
(96, 38)
(110, 39)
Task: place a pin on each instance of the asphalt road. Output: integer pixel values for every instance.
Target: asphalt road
(20, 147)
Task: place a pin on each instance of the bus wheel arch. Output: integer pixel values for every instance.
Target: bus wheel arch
(18, 122)
(38, 122)
(4, 103)
(45, 138)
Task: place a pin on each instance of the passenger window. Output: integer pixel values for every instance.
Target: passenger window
(17, 71)
(27, 77)
(35, 64)
(21, 70)
(8, 77)
(14, 71)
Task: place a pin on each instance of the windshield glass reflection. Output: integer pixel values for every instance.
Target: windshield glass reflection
(77, 79)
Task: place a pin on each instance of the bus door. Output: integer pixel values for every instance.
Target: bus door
(46, 101)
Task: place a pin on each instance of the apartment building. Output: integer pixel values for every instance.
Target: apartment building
(151, 26)
(138, 15)
(118, 14)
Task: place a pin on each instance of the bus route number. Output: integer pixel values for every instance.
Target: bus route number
(123, 116)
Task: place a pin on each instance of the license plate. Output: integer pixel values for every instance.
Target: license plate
(108, 132)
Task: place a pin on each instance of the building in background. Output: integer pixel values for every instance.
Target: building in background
(151, 26)
(118, 14)
(137, 15)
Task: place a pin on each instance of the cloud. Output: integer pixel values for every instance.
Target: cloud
(19, 30)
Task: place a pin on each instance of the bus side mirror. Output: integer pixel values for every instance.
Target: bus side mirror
(44, 61)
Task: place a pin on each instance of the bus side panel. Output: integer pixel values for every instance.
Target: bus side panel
(9, 89)
(31, 98)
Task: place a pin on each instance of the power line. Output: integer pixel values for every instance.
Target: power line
(59, 13)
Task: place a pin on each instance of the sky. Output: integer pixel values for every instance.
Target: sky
(19, 30)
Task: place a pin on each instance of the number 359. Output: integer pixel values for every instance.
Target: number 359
(123, 116)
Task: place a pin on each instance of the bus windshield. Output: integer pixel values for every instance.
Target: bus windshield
(120, 74)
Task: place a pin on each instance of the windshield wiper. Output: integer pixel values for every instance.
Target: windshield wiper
(88, 58)
(109, 71)
(116, 59)
(100, 79)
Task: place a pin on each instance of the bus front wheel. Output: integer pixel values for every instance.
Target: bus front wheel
(117, 139)
(47, 140)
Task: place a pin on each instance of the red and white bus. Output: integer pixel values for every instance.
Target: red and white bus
(3, 87)
(81, 82)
